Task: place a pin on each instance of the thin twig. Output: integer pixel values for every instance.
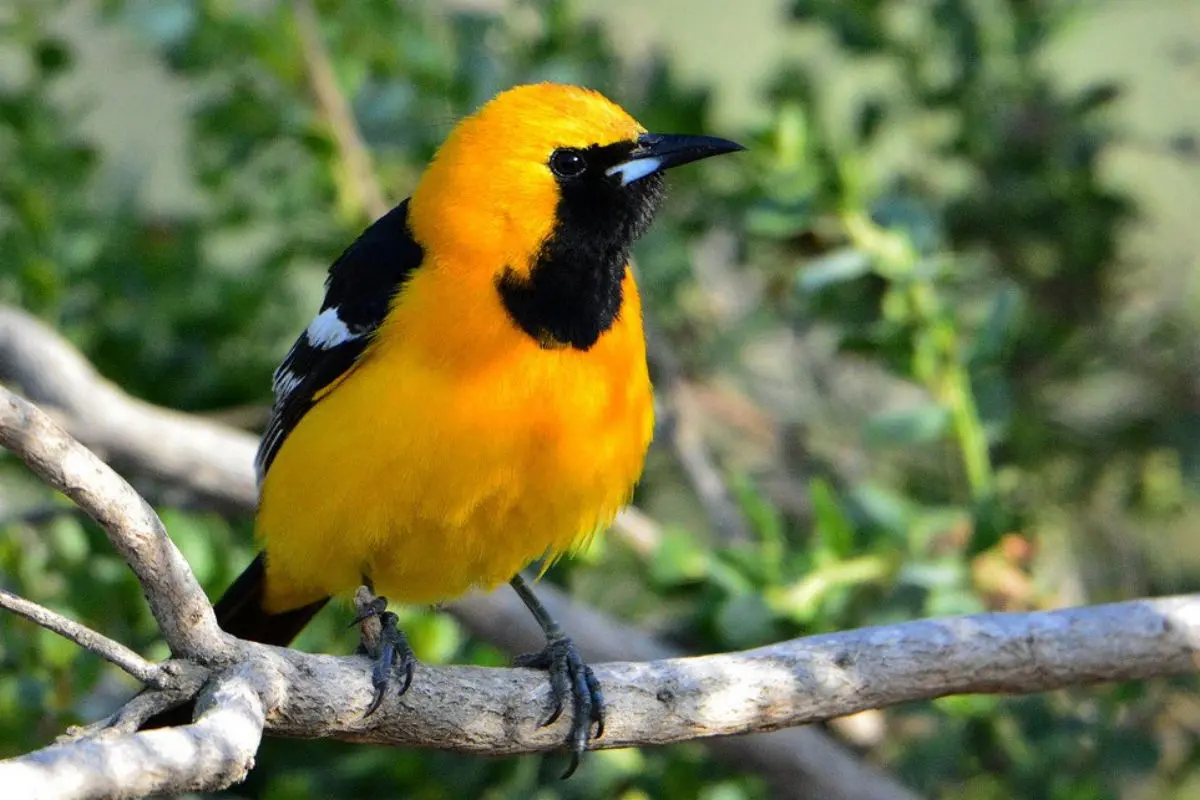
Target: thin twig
(354, 154)
(682, 429)
(178, 603)
(111, 651)
(131, 716)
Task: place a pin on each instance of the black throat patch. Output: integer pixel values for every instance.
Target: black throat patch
(572, 294)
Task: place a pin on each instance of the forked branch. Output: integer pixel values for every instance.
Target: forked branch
(482, 710)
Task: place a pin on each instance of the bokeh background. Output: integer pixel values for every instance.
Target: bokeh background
(936, 333)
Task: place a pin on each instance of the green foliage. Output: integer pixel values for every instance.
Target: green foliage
(919, 338)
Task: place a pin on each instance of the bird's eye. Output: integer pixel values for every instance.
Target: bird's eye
(567, 163)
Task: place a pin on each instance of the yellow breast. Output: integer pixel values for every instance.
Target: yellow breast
(455, 454)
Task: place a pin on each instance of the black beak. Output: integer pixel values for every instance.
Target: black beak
(658, 151)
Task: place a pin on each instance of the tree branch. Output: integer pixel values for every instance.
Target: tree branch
(363, 187)
(485, 710)
(178, 603)
(214, 463)
(481, 710)
(85, 637)
(131, 716)
(497, 711)
(214, 752)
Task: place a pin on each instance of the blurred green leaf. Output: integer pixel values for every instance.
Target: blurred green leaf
(910, 426)
(834, 527)
(883, 508)
(68, 539)
(1002, 320)
(678, 559)
(745, 621)
(839, 266)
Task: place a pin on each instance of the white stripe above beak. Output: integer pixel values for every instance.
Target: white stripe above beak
(635, 169)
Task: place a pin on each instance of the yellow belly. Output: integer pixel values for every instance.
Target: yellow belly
(433, 477)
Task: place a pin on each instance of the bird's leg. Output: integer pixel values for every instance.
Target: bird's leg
(568, 676)
(382, 641)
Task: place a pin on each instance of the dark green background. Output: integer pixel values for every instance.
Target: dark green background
(995, 408)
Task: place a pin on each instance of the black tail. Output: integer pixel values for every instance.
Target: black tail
(240, 612)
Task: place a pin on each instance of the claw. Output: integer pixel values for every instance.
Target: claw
(597, 694)
(569, 675)
(410, 665)
(555, 713)
(385, 643)
(376, 700)
(372, 608)
(574, 765)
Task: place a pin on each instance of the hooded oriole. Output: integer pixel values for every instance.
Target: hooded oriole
(473, 393)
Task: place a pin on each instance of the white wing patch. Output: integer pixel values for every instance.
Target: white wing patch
(327, 330)
(358, 294)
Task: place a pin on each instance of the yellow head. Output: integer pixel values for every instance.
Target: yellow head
(542, 193)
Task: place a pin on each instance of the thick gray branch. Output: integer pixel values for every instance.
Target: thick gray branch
(178, 603)
(216, 463)
(214, 752)
(664, 700)
(496, 711)
(798, 762)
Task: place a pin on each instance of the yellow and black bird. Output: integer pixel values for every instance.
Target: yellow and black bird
(473, 394)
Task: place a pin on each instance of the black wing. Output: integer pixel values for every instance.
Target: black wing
(358, 293)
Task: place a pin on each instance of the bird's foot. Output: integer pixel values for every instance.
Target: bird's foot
(569, 675)
(383, 642)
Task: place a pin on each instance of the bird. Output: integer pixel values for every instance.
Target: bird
(472, 395)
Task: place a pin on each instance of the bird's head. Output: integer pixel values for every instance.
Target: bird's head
(543, 192)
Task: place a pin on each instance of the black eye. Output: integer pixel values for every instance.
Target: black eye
(567, 163)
